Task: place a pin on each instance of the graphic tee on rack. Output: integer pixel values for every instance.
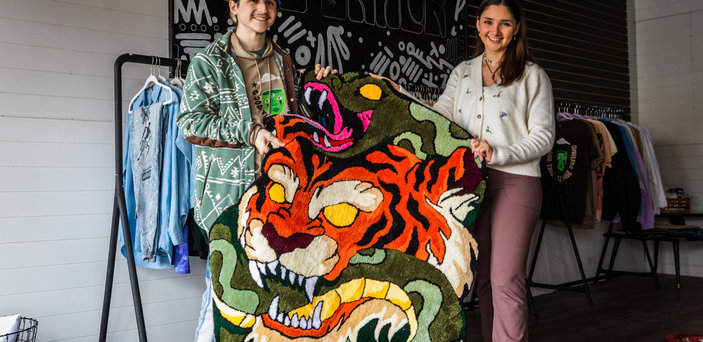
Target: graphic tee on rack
(569, 163)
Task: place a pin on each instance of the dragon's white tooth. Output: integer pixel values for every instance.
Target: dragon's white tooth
(322, 99)
(308, 91)
(273, 308)
(286, 321)
(300, 279)
(310, 286)
(272, 266)
(262, 267)
(291, 277)
(295, 322)
(317, 316)
(254, 271)
(303, 323)
(327, 142)
(283, 273)
(315, 137)
(280, 317)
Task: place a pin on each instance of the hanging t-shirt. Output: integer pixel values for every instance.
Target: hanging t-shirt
(606, 143)
(621, 190)
(650, 160)
(593, 182)
(569, 163)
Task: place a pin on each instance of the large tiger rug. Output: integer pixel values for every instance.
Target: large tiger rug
(360, 227)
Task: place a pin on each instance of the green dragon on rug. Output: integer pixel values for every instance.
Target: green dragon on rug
(359, 228)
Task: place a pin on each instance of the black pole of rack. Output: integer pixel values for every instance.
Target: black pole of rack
(569, 286)
(119, 208)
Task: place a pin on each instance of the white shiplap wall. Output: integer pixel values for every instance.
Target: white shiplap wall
(665, 39)
(669, 82)
(57, 169)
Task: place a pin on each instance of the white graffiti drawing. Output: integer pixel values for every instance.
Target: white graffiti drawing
(413, 42)
(199, 12)
(337, 50)
(194, 23)
(458, 8)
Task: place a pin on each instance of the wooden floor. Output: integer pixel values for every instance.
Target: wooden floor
(626, 308)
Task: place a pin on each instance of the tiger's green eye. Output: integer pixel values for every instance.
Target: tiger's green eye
(341, 215)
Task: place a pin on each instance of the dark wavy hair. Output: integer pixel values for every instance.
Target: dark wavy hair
(518, 53)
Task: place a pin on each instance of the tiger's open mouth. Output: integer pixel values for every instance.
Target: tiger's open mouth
(335, 127)
(327, 311)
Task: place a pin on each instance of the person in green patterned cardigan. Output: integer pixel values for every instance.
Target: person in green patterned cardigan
(230, 86)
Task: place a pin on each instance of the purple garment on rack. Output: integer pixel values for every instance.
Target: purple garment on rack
(646, 212)
(181, 264)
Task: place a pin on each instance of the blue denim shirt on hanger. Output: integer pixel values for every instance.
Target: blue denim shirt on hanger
(171, 199)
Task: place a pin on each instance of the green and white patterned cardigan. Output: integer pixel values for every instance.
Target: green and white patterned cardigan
(216, 118)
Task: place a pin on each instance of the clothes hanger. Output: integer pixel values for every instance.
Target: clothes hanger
(152, 80)
(177, 79)
(564, 113)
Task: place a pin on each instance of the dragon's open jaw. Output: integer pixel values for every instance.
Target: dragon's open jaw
(332, 131)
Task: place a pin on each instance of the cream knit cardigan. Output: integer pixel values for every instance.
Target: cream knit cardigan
(517, 120)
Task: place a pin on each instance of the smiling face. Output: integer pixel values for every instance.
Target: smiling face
(253, 16)
(496, 26)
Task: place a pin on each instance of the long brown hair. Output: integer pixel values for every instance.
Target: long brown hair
(518, 52)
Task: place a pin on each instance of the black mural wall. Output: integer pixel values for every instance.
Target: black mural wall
(411, 41)
(582, 44)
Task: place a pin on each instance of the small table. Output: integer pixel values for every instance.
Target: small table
(667, 233)
(679, 218)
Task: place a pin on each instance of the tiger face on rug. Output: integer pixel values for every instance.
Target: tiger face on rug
(350, 244)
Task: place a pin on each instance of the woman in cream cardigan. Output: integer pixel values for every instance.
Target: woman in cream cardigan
(505, 101)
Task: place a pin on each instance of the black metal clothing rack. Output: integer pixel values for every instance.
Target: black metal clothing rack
(577, 285)
(568, 286)
(589, 110)
(119, 208)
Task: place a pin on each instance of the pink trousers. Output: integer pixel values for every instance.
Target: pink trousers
(509, 214)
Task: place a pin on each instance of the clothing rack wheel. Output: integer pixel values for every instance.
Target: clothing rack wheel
(119, 208)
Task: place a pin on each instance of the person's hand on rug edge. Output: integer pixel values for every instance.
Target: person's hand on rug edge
(395, 86)
(321, 71)
(264, 139)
